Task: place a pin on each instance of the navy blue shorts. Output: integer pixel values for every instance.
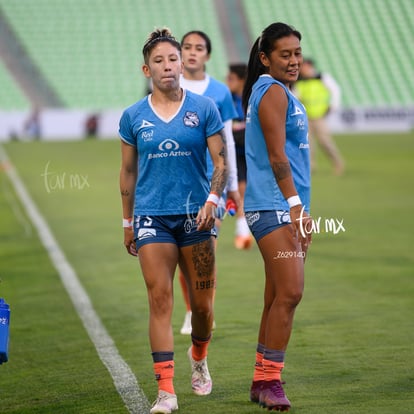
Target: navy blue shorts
(177, 229)
(262, 223)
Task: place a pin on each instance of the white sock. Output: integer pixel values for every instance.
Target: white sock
(242, 229)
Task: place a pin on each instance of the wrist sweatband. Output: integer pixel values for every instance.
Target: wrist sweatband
(294, 201)
(213, 198)
(127, 223)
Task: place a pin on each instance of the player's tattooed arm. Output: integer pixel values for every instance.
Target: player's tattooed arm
(218, 181)
(220, 172)
(284, 178)
(223, 151)
(281, 170)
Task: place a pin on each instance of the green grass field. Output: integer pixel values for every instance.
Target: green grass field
(351, 349)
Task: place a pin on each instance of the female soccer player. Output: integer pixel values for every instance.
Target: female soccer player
(236, 77)
(169, 206)
(196, 51)
(277, 197)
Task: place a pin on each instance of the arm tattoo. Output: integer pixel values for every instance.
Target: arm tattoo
(203, 258)
(223, 151)
(219, 177)
(125, 193)
(281, 170)
(222, 154)
(218, 181)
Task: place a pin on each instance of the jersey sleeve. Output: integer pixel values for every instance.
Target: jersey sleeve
(214, 123)
(125, 129)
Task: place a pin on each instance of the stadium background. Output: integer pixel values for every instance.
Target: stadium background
(351, 350)
(73, 58)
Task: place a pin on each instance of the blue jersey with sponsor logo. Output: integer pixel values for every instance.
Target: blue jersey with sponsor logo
(262, 190)
(221, 95)
(172, 171)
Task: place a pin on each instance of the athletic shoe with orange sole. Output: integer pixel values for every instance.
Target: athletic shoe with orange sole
(243, 242)
(272, 396)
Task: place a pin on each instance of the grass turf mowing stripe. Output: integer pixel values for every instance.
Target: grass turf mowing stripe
(125, 381)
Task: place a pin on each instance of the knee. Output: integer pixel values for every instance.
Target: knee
(161, 302)
(286, 298)
(202, 310)
(293, 298)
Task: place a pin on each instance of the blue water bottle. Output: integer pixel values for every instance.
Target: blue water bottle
(4, 330)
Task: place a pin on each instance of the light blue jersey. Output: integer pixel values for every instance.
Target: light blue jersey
(221, 95)
(172, 169)
(262, 190)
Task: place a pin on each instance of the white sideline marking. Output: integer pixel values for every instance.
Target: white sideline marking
(124, 379)
(14, 205)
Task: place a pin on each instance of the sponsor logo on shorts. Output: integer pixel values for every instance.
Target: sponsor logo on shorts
(146, 233)
(189, 225)
(252, 217)
(283, 216)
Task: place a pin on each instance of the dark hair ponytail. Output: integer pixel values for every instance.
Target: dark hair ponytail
(266, 44)
(255, 68)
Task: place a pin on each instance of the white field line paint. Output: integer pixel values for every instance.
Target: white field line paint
(124, 379)
(14, 205)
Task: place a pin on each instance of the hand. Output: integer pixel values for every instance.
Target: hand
(235, 196)
(231, 207)
(129, 241)
(206, 217)
(303, 225)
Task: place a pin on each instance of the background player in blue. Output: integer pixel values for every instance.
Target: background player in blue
(164, 186)
(196, 51)
(236, 77)
(277, 197)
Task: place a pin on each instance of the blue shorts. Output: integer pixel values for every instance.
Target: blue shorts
(177, 229)
(262, 223)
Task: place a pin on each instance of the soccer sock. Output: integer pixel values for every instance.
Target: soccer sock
(164, 370)
(242, 228)
(200, 347)
(273, 364)
(184, 289)
(258, 374)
